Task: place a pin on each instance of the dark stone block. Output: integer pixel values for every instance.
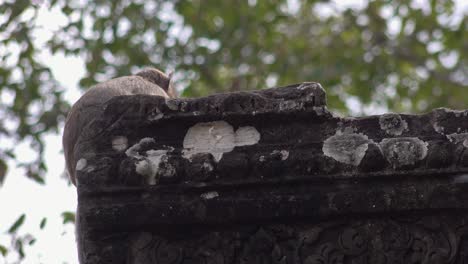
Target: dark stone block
(270, 177)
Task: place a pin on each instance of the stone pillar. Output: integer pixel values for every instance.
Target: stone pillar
(270, 177)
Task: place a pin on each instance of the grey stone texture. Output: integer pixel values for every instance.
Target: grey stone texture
(270, 176)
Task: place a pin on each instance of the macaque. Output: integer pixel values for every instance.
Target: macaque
(149, 81)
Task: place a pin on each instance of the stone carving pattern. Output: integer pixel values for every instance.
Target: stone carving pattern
(424, 240)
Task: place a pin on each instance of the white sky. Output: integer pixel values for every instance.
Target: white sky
(55, 243)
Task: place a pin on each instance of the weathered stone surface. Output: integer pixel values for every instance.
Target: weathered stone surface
(270, 177)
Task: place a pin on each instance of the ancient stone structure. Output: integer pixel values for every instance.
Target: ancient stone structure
(270, 177)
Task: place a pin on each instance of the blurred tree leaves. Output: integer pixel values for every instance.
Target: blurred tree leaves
(3, 250)
(31, 100)
(18, 241)
(68, 217)
(14, 227)
(43, 223)
(389, 53)
(396, 55)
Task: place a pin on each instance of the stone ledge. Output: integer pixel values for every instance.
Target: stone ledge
(145, 140)
(213, 179)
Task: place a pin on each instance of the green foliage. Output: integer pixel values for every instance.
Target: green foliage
(395, 55)
(37, 105)
(43, 223)
(389, 53)
(18, 241)
(3, 250)
(68, 217)
(3, 170)
(17, 224)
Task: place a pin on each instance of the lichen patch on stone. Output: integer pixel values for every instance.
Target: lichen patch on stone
(284, 154)
(81, 164)
(343, 129)
(348, 148)
(143, 167)
(393, 124)
(166, 169)
(149, 165)
(208, 167)
(459, 138)
(119, 143)
(290, 105)
(149, 162)
(308, 85)
(155, 114)
(247, 135)
(217, 138)
(212, 137)
(403, 151)
(437, 128)
(457, 113)
(320, 110)
(209, 195)
(133, 151)
(172, 104)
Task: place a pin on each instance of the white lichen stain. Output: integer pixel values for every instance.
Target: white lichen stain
(149, 165)
(143, 167)
(459, 138)
(261, 159)
(348, 148)
(393, 124)
(168, 169)
(246, 136)
(347, 130)
(320, 110)
(133, 150)
(209, 195)
(290, 105)
(155, 114)
(81, 164)
(438, 129)
(155, 117)
(172, 104)
(217, 138)
(183, 106)
(403, 151)
(283, 153)
(304, 86)
(207, 167)
(119, 143)
(89, 169)
(457, 113)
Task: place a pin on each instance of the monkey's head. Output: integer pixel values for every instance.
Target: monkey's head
(159, 78)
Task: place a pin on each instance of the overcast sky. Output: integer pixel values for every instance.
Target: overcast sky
(55, 244)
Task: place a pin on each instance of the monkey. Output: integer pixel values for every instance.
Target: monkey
(148, 81)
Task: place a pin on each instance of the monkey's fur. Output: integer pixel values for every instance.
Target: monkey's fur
(149, 81)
